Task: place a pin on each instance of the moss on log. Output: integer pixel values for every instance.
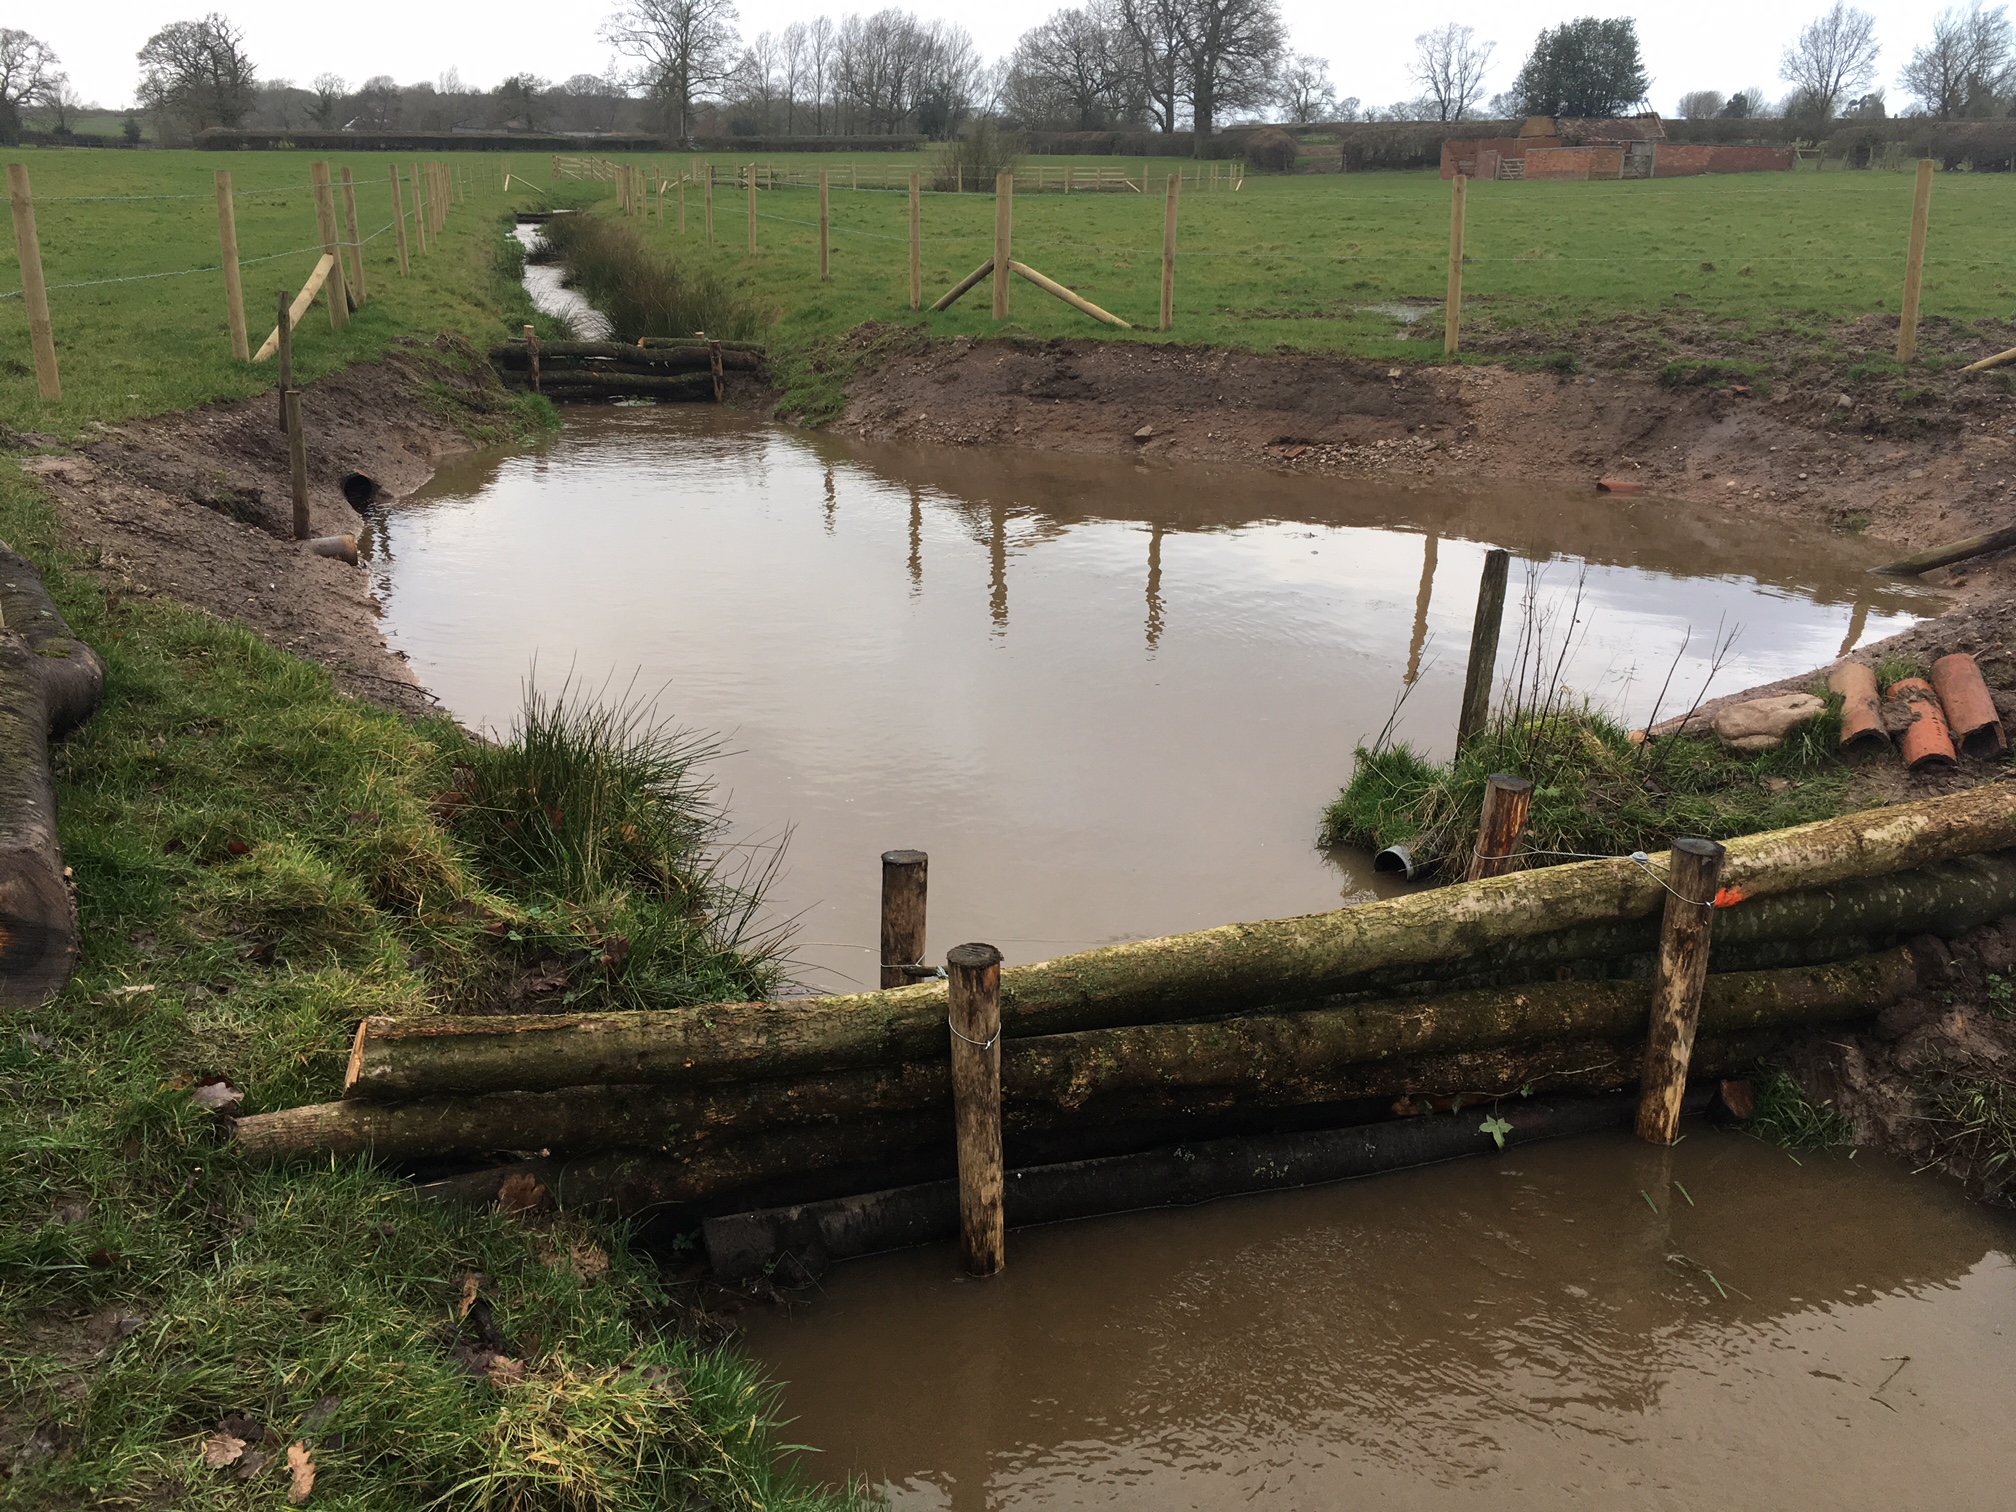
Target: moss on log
(1479, 1041)
(50, 682)
(1226, 970)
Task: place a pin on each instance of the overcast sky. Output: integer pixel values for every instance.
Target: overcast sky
(1709, 44)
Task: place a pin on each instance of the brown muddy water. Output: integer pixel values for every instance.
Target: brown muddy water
(1518, 1332)
(1111, 700)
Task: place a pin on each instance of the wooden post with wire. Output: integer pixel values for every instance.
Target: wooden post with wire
(356, 236)
(1694, 875)
(297, 464)
(916, 240)
(1452, 304)
(532, 353)
(1174, 189)
(1484, 630)
(825, 231)
(234, 287)
(1507, 802)
(904, 873)
(34, 291)
(1914, 262)
(399, 223)
(283, 334)
(752, 209)
(1004, 224)
(708, 197)
(974, 1018)
(682, 204)
(419, 208)
(336, 286)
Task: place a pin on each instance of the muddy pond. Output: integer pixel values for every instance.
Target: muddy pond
(1111, 700)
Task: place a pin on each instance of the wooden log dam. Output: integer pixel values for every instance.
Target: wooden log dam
(1507, 987)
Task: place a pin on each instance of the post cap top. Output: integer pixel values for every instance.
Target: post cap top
(1695, 847)
(904, 858)
(973, 956)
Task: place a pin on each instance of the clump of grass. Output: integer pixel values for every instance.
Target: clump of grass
(1713, 373)
(1974, 1126)
(643, 290)
(1595, 790)
(1786, 1116)
(971, 161)
(599, 817)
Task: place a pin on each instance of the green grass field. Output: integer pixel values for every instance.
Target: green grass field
(1351, 263)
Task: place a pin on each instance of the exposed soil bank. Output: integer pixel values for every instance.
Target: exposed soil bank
(1912, 459)
(197, 505)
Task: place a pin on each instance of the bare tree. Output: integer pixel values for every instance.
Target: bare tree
(1449, 65)
(792, 60)
(197, 72)
(756, 79)
(821, 43)
(1702, 104)
(1832, 59)
(1231, 49)
(1079, 69)
(1156, 27)
(684, 47)
(28, 76)
(1305, 93)
(1969, 67)
(328, 90)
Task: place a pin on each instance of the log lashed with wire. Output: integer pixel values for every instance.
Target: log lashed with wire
(1533, 981)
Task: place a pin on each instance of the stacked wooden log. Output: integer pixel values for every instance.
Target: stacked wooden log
(50, 682)
(681, 369)
(1537, 981)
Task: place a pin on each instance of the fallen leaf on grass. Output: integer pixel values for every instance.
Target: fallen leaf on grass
(472, 1284)
(254, 1461)
(522, 1193)
(221, 1449)
(323, 1410)
(215, 1093)
(591, 1261)
(301, 1473)
(504, 1371)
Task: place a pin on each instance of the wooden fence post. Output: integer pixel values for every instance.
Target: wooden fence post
(682, 204)
(34, 291)
(708, 198)
(285, 331)
(1452, 305)
(916, 240)
(1174, 188)
(325, 216)
(825, 230)
(234, 287)
(1694, 875)
(532, 354)
(1476, 704)
(1914, 262)
(399, 223)
(297, 463)
(1507, 802)
(356, 235)
(1004, 221)
(752, 209)
(903, 886)
(974, 1017)
(419, 207)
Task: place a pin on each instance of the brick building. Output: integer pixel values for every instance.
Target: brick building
(1636, 148)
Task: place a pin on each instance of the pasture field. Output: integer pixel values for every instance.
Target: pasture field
(1350, 263)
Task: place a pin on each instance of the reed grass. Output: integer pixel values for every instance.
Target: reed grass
(644, 290)
(1787, 1116)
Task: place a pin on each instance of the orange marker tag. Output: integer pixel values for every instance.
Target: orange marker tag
(1729, 897)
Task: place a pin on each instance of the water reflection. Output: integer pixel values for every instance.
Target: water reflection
(1525, 1332)
(1097, 736)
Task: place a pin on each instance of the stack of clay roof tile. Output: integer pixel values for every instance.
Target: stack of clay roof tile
(1932, 723)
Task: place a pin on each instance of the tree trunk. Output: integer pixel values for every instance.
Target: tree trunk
(50, 682)
(1230, 969)
(1485, 1042)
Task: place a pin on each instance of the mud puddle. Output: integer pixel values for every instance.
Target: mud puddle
(1109, 698)
(1510, 1333)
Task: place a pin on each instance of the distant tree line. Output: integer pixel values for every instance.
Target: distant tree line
(683, 68)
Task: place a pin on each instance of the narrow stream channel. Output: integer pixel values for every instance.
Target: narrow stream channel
(1110, 700)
